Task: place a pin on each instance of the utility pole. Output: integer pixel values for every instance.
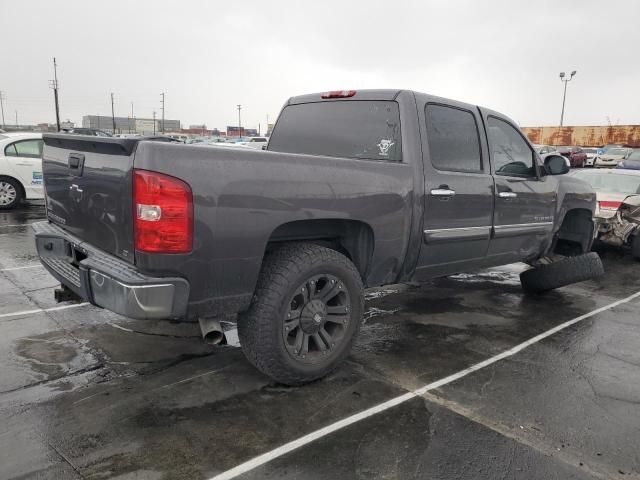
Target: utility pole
(267, 129)
(564, 97)
(154, 122)
(162, 101)
(113, 115)
(16, 118)
(133, 118)
(54, 85)
(239, 121)
(2, 107)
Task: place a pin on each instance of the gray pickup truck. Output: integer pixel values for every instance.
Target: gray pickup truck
(355, 189)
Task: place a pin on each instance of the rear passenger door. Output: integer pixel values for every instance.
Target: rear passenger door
(459, 197)
(525, 200)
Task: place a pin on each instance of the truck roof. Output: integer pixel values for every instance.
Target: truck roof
(373, 94)
(367, 94)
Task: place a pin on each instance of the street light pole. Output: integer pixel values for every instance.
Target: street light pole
(564, 96)
(2, 107)
(239, 122)
(113, 115)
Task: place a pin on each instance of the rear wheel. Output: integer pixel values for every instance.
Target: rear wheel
(305, 314)
(10, 193)
(562, 272)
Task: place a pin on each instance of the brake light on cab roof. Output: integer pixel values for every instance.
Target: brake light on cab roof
(609, 205)
(338, 94)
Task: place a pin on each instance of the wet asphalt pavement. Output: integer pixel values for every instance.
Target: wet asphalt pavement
(85, 393)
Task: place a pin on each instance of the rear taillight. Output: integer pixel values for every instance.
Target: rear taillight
(609, 205)
(163, 212)
(339, 94)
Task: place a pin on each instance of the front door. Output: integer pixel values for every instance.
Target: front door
(458, 191)
(525, 200)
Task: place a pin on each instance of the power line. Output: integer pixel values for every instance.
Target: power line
(162, 101)
(54, 84)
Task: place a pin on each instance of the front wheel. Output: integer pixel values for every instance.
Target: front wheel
(305, 314)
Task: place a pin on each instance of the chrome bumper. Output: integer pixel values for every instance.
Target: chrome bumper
(107, 281)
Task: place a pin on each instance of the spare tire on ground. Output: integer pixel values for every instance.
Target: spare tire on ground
(562, 272)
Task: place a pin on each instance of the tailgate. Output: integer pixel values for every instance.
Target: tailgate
(89, 190)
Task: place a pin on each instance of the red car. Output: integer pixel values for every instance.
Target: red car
(577, 157)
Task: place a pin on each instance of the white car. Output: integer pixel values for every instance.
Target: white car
(256, 142)
(592, 154)
(20, 168)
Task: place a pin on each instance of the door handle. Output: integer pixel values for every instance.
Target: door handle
(507, 194)
(443, 192)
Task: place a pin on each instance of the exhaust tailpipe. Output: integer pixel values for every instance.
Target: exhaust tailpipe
(211, 329)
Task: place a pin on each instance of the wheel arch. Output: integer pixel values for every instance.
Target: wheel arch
(352, 238)
(576, 231)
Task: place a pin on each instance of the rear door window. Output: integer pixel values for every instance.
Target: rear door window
(454, 142)
(351, 129)
(24, 148)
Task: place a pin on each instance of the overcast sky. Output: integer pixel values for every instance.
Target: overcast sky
(208, 56)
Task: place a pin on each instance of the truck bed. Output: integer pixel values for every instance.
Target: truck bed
(243, 200)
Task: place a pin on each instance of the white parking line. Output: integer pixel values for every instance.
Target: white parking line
(18, 225)
(20, 268)
(345, 422)
(40, 310)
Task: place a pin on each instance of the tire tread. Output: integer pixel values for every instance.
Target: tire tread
(254, 326)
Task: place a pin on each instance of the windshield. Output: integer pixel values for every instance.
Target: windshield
(611, 182)
(635, 155)
(616, 151)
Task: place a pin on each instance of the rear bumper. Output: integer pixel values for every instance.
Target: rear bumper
(107, 281)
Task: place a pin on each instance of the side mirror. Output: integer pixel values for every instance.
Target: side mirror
(556, 165)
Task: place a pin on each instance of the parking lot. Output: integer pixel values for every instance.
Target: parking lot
(434, 388)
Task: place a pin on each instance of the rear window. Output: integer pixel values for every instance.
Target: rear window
(351, 129)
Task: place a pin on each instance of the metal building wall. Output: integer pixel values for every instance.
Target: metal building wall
(585, 136)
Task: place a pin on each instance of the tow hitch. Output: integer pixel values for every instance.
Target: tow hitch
(64, 294)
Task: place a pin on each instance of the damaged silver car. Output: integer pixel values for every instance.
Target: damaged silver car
(618, 212)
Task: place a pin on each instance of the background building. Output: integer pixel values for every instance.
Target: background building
(587, 136)
(246, 132)
(143, 126)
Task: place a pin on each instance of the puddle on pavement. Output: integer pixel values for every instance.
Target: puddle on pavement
(509, 278)
(52, 355)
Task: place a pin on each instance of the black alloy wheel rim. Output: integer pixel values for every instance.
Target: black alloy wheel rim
(316, 319)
